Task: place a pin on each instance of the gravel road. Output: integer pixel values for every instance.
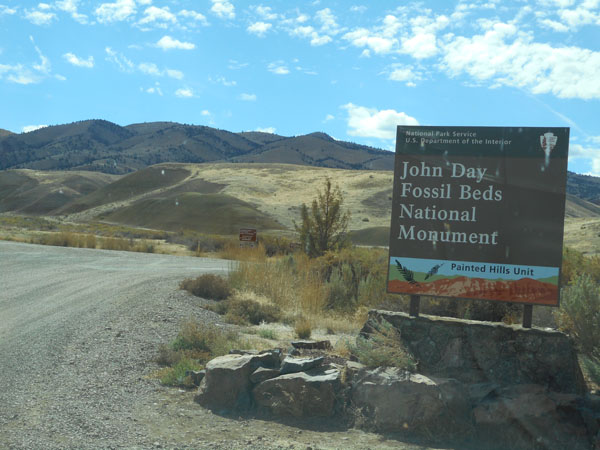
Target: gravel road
(78, 331)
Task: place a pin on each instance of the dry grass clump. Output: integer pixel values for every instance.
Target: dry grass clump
(303, 328)
(208, 286)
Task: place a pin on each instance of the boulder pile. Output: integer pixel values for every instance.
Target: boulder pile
(486, 388)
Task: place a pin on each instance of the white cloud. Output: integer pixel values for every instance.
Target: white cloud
(362, 37)
(328, 117)
(70, 6)
(193, 15)
(223, 9)
(119, 59)
(153, 70)
(154, 90)
(259, 28)
(150, 69)
(184, 93)
(115, 12)
(358, 8)
(265, 12)
(553, 25)
(206, 113)
(248, 97)
(168, 43)
(583, 14)
(266, 130)
(177, 74)
(30, 128)
(222, 80)
(236, 65)
(5, 10)
(505, 56)
(306, 31)
(19, 74)
(590, 154)
(79, 62)
(278, 68)
(370, 122)
(44, 65)
(159, 17)
(39, 17)
(406, 74)
(328, 22)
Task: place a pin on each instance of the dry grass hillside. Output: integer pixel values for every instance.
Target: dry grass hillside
(219, 198)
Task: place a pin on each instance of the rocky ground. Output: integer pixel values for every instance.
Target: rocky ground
(78, 332)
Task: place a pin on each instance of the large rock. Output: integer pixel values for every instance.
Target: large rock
(301, 394)
(527, 416)
(293, 365)
(479, 352)
(226, 385)
(394, 400)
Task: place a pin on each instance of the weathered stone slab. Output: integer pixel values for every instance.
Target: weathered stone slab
(262, 374)
(394, 400)
(293, 365)
(226, 385)
(301, 394)
(479, 352)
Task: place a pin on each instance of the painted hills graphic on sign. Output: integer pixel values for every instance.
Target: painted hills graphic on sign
(526, 290)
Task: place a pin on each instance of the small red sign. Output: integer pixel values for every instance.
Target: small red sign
(247, 234)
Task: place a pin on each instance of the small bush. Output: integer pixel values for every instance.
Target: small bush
(194, 345)
(267, 334)
(303, 329)
(176, 375)
(246, 311)
(383, 348)
(207, 286)
(579, 314)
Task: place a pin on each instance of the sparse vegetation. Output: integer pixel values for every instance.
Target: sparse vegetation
(194, 345)
(383, 348)
(208, 286)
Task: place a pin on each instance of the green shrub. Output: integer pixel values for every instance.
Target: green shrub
(267, 334)
(579, 314)
(383, 348)
(176, 375)
(207, 286)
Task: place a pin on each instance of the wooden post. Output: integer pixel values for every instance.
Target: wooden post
(527, 315)
(415, 303)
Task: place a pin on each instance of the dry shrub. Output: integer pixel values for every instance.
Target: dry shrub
(208, 286)
(383, 348)
(303, 328)
(579, 314)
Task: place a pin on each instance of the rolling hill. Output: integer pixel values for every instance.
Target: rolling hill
(99, 145)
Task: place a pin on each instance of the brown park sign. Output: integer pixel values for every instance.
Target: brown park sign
(478, 213)
(247, 234)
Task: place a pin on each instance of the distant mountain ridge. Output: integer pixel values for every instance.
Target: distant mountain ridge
(102, 146)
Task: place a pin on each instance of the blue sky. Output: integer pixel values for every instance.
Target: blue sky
(352, 69)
